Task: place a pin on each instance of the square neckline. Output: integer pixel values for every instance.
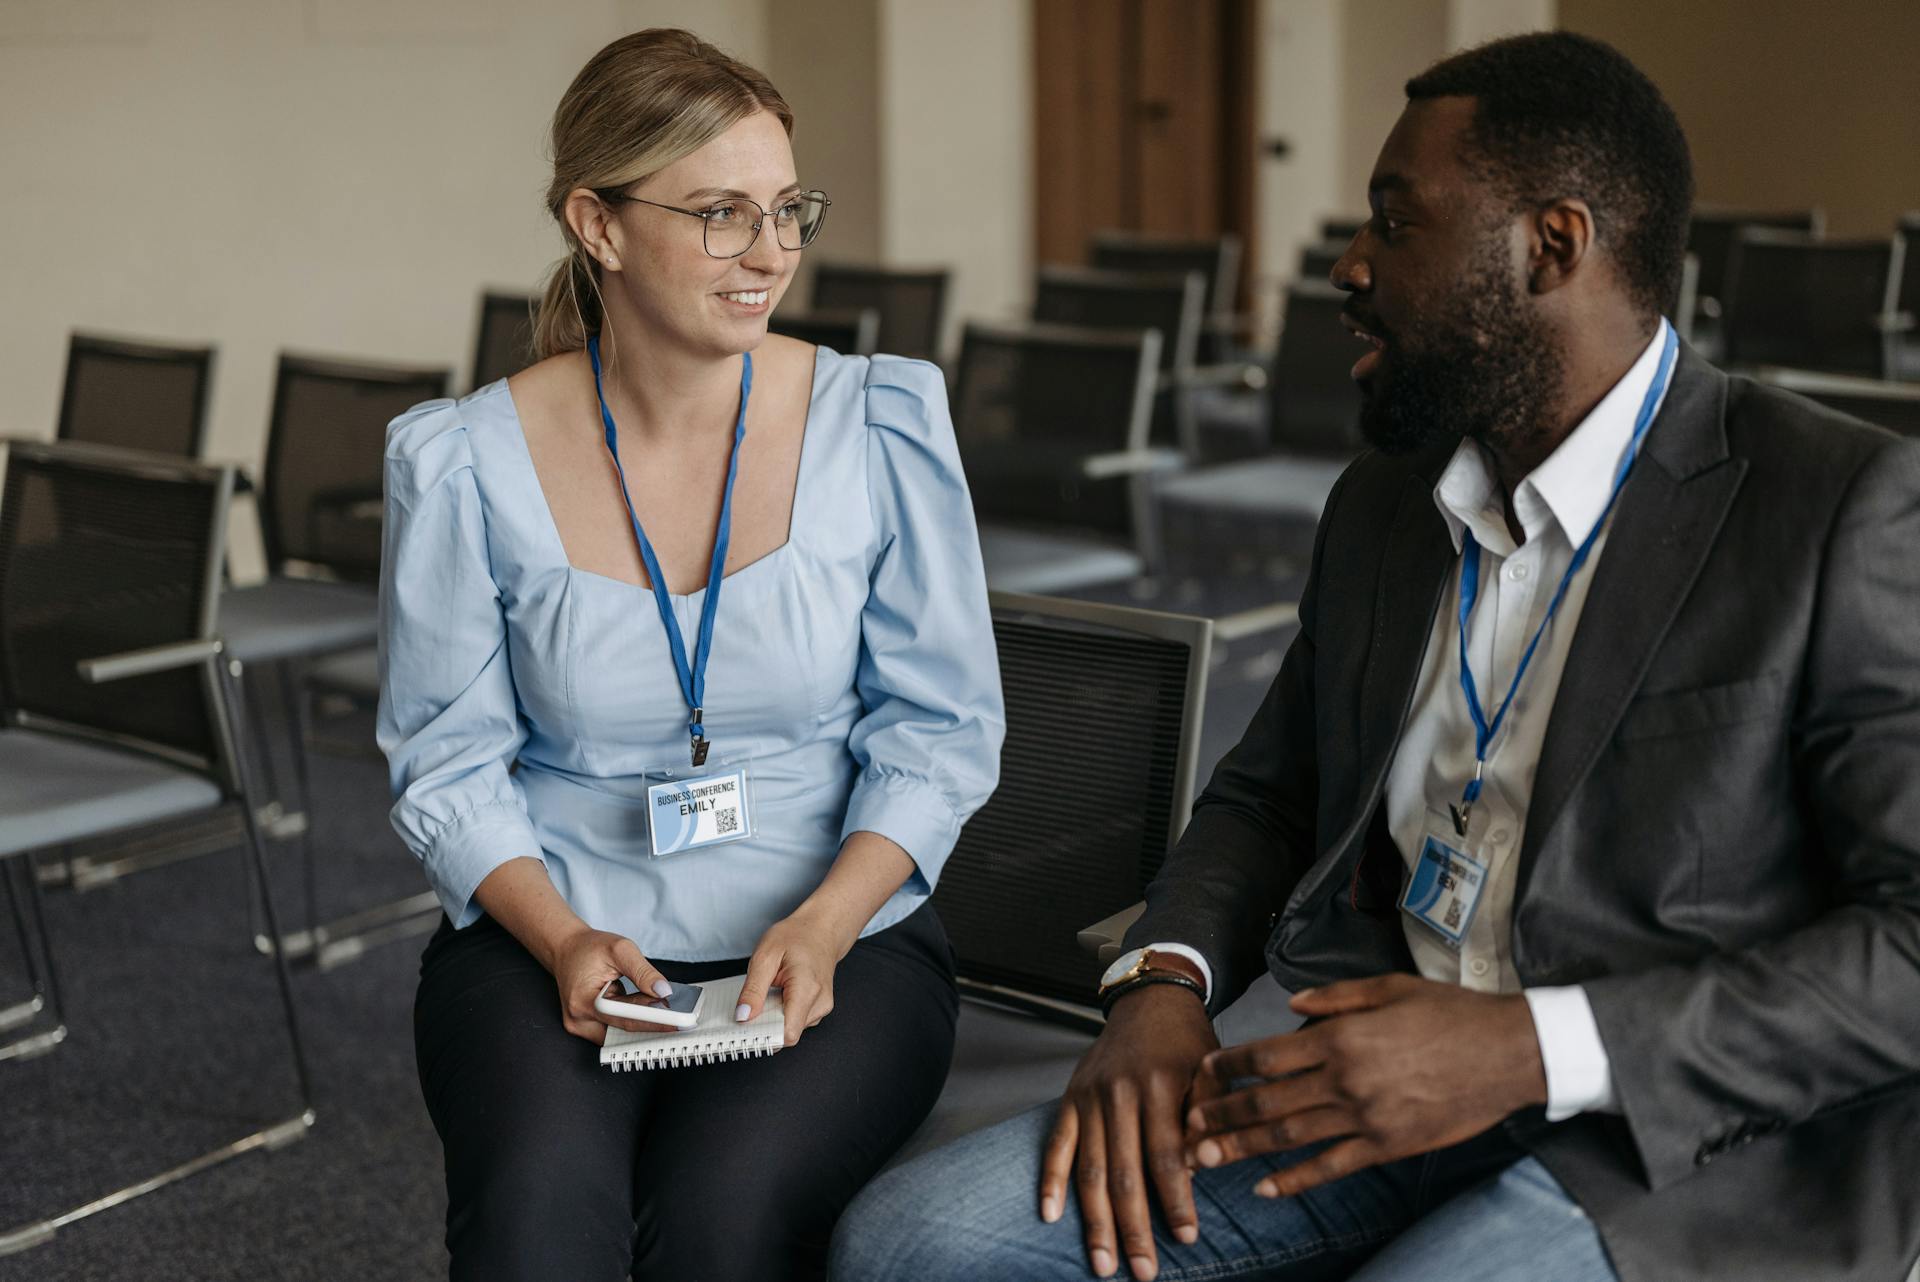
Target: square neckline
(552, 527)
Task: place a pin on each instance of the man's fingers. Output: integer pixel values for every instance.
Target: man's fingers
(1268, 1057)
(1057, 1162)
(634, 965)
(761, 969)
(1090, 1182)
(1324, 1167)
(1277, 1136)
(1346, 995)
(1167, 1168)
(1127, 1187)
(1253, 1105)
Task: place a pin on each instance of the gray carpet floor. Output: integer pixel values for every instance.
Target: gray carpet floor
(177, 1045)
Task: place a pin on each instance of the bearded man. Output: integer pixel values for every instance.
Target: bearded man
(1582, 820)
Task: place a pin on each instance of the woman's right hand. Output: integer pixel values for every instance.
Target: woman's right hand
(582, 965)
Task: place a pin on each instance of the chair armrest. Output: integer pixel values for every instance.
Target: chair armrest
(1102, 939)
(355, 503)
(1239, 376)
(1895, 322)
(139, 663)
(1100, 467)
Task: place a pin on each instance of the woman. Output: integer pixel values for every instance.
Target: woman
(787, 593)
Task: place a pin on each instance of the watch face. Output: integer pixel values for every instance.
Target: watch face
(1121, 965)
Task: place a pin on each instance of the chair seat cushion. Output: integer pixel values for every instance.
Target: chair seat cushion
(54, 789)
(355, 674)
(1021, 560)
(1280, 487)
(287, 618)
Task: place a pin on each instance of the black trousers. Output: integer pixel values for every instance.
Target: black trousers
(559, 1168)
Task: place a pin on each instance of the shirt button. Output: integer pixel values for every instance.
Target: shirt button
(1499, 836)
(1517, 572)
(1478, 966)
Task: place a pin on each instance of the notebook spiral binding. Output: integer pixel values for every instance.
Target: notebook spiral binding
(687, 1055)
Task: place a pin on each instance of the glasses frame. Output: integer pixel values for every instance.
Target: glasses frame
(706, 216)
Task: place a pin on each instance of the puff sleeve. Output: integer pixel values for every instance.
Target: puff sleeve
(928, 744)
(449, 720)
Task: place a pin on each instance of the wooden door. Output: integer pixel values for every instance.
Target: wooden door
(1143, 120)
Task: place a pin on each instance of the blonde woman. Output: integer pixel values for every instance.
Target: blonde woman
(679, 549)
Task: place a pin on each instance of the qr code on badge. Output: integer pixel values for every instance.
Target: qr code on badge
(726, 821)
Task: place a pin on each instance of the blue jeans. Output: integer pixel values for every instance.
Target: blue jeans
(1481, 1210)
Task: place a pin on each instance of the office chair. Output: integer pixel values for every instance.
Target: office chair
(1710, 237)
(1882, 402)
(118, 707)
(1170, 302)
(851, 332)
(1216, 258)
(912, 304)
(145, 396)
(504, 345)
(1096, 778)
(1052, 428)
(1795, 300)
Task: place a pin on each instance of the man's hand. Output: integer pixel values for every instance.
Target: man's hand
(1119, 1126)
(1395, 1067)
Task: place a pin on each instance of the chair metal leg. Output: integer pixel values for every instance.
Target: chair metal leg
(38, 1043)
(39, 1232)
(256, 851)
(43, 1040)
(294, 700)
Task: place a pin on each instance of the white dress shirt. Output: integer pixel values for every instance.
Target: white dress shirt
(1557, 506)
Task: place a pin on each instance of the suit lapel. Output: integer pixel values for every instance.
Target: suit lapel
(1414, 560)
(1661, 533)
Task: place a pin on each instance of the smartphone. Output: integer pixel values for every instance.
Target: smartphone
(622, 1000)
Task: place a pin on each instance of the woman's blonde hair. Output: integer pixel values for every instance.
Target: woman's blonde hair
(638, 105)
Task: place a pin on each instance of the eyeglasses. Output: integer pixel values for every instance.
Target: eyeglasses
(734, 224)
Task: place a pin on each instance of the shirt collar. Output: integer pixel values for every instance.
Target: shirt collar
(1570, 488)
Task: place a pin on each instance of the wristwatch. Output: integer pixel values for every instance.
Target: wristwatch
(1144, 966)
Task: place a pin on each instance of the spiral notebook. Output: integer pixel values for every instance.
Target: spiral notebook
(715, 1039)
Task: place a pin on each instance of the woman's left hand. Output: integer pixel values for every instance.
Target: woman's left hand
(797, 955)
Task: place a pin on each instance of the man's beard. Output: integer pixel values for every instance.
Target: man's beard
(1480, 370)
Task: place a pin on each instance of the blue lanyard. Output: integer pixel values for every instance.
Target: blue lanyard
(1483, 730)
(693, 676)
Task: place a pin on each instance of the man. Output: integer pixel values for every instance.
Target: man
(1583, 818)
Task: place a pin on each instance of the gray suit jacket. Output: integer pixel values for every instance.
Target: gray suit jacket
(1723, 843)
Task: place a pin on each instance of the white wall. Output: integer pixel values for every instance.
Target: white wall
(339, 176)
(956, 139)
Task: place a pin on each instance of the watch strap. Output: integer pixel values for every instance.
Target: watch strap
(1117, 991)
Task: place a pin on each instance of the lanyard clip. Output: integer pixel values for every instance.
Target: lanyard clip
(697, 733)
(1464, 811)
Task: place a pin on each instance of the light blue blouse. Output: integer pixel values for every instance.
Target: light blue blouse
(521, 698)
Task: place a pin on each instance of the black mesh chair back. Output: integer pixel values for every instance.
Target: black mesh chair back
(325, 448)
(851, 332)
(142, 396)
(105, 551)
(1710, 239)
(1096, 780)
(1216, 259)
(1908, 299)
(505, 343)
(1894, 406)
(912, 304)
(1315, 405)
(1686, 301)
(1101, 299)
(1795, 300)
(1031, 405)
(1343, 229)
(1167, 302)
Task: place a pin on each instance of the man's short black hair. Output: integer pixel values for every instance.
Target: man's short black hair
(1558, 115)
